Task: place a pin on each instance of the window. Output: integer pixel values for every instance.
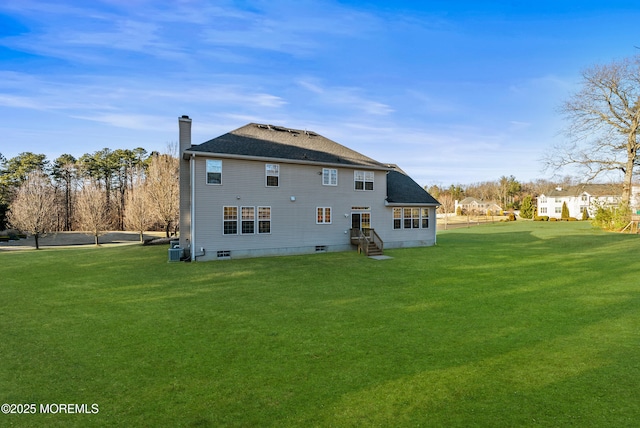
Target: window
(329, 177)
(424, 217)
(543, 200)
(230, 226)
(214, 171)
(585, 198)
(365, 221)
(323, 215)
(272, 171)
(264, 219)
(543, 210)
(558, 210)
(248, 220)
(397, 218)
(363, 180)
(411, 218)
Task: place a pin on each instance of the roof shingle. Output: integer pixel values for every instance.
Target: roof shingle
(276, 142)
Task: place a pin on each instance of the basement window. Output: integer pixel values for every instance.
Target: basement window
(321, 248)
(224, 254)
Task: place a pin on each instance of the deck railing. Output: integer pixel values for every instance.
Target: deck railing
(363, 237)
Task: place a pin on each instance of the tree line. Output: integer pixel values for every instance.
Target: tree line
(118, 189)
(506, 191)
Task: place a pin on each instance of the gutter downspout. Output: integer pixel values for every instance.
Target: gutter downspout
(192, 179)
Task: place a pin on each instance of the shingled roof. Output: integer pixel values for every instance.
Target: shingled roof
(279, 143)
(276, 142)
(402, 190)
(593, 189)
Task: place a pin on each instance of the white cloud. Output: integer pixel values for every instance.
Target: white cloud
(351, 98)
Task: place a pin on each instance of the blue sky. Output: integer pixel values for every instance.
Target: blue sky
(452, 91)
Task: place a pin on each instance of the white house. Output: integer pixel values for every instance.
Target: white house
(264, 190)
(578, 199)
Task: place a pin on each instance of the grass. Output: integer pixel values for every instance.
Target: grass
(511, 324)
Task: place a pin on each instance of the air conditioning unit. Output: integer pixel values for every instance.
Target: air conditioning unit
(175, 254)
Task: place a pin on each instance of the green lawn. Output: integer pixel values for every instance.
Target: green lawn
(504, 325)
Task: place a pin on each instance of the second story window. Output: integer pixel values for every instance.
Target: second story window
(214, 171)
(329, 177)
(363, 180)
(272, 171)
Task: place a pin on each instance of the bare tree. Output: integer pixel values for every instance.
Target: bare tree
(163, 188)
(32, 208)
(91, 209)
(604, 118)
(138, 214)
(447, 206)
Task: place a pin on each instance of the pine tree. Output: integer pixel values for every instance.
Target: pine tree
(527, 208)
(565, 211)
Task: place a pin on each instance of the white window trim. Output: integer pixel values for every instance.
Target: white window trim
(364, 180)
(258, 220)
(242, 220)
(225, 220)
(324, 211)
(402, 218)
(239, 219)
(206, 172)
(327, 172)
(267, 175)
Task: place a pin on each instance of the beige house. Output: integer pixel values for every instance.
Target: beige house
(476, 206)
(264, 190)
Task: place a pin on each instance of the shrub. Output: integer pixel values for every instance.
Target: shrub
(611, 218)
(572, 219)
(511, 217)
(541, 218)
(553, 219)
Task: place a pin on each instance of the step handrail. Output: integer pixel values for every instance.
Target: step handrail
(363, 240)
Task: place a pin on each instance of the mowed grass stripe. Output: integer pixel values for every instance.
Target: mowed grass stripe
(512, 324)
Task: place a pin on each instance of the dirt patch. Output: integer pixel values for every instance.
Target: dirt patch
(67, 239)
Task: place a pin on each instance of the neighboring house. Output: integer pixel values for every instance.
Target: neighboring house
(266, 190)
(471, 205)
(578, 199)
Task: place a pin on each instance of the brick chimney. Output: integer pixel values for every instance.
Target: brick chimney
(184, 126)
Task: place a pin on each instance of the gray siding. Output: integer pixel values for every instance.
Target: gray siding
(294, 229)
(404, 238)
(293, 223)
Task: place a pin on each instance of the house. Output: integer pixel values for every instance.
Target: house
(578, 199)
(476, 206)
(264, 190)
